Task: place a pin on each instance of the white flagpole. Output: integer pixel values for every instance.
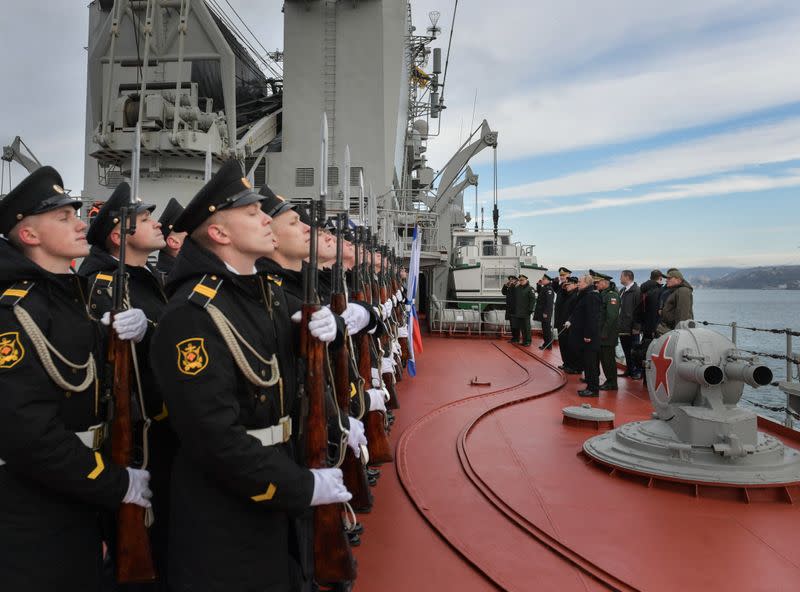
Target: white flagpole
(136, 158)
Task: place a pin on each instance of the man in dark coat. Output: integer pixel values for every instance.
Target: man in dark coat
(508, 291)
(609, 328)
(544, 311)
(565, 305)
(236, 480)
(630, 325)
(174, 240)
(651, 296)
(678, 305)
(145, 292)
(524, 304)
(55, 475)
(585, 333)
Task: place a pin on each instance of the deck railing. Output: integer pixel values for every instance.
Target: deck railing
(791, 409)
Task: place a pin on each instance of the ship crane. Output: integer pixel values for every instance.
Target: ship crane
(13, 153)
(446, 192)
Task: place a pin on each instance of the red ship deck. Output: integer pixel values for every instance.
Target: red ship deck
(488, 492)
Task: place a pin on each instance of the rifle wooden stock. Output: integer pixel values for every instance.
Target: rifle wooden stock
(380, 449)
(134, 559)
(333, 558)
(355, 474)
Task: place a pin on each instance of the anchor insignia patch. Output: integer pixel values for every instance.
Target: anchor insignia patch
(192, 356)
(11, 350)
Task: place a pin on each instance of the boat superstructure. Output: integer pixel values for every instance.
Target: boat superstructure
(482, 260)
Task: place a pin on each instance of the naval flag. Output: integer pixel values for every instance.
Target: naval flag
(414, 333)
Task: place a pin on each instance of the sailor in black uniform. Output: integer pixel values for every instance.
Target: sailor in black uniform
(55, 476)
(236, 480)
(174, 240)
(145, 292)
(544, 311)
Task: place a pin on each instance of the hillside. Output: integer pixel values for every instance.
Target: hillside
(780, 277)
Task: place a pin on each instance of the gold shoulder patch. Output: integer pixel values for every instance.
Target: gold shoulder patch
(11, 350)
(192, 356)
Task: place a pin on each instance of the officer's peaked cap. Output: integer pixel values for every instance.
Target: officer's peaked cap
(108, 216)
(564, 271)
(39, 192)
(273, 205)
(228, 188)
(169, 215)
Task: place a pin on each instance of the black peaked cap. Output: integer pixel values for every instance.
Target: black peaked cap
(108, 216)
(39, 192)
(226, 189)
(273, 205)
(169, 215)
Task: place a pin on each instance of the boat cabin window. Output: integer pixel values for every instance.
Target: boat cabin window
(488, 248)
(505, 240)
(465, 241)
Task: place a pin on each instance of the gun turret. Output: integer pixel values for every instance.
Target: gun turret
(699, 433)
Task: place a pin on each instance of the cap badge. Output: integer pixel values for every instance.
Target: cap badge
(246, 182)
(58, 189)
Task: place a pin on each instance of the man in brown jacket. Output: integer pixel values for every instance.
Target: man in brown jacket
(678, 306)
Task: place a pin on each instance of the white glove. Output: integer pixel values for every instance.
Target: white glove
(387, 365)
(402, 332)
(355, 436)
(386, 309)
(394, 300)
(396, 347)
(130, 325)
(376, 378)
(377, 399)
(138, 488)
(399, 295)
(356, 317)
(322, 325)
(567, 325)
(329, 487)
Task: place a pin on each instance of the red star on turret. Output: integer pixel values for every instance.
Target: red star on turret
(662, 364)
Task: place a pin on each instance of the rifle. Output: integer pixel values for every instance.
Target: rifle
(134, 559)
(333, 557)
(380, 449)
(386, 276)
(355, 474)
(400, 310)
(379, 291)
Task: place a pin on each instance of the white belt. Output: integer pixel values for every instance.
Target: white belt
(277, 434)
(92, 438)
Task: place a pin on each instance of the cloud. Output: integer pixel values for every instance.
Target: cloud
(728, 185)
(771, 143)
(638, 84)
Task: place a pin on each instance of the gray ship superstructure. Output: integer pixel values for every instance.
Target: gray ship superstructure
(202, 93)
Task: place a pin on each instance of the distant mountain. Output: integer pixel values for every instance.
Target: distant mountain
(779, 277)
(775, 277)
(704, 274)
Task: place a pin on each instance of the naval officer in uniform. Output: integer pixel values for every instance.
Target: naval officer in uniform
(236, 481)
(55, 475)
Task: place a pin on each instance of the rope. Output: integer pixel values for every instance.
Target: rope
(757, 329)
(232, 338)
(791, 412)
(44, 348)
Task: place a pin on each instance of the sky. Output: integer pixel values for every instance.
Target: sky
(632, 133)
